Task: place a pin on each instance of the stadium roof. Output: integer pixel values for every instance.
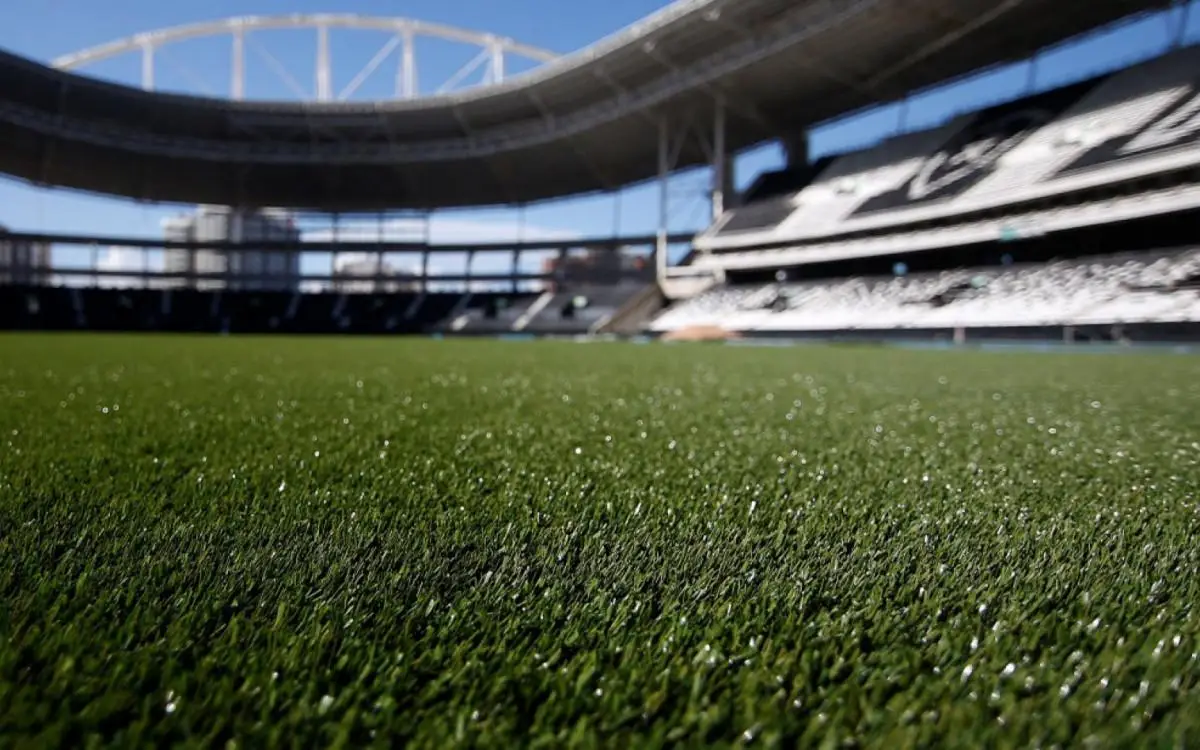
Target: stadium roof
(586, 122)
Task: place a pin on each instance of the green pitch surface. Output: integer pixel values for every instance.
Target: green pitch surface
(357, 542)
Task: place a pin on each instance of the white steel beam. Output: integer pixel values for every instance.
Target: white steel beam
(297, 21)
(406, 86)
(279, 68)
(369, 68)
(237, 68)
(147, 66)
(792, 29)
(497, 66)
(470, 67)
(324, 66)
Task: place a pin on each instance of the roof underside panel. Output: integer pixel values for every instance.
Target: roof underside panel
(588, 122)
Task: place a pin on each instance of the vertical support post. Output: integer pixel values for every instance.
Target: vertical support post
(191, 282)
(237, 81)
(467, 283)
(425, 253)
(719, 157)
(95, 265)
(560, 270)
(1032, 73)
(235, 260)
(406, 81)
(497, 66)
(324, 65)
(660, 244)
(516, 270)
(378, 286)
(147, 66)
(333, 258)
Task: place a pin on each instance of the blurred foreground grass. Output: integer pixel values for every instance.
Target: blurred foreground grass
(355, 542)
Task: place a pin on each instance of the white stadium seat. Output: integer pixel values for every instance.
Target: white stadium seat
(1146, 288)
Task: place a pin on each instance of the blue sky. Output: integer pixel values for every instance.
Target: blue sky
(45, 29)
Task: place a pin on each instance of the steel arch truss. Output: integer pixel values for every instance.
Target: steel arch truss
(492, 55)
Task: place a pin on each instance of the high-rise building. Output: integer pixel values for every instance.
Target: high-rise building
(274, 270)
(24, 261)
(359, 273)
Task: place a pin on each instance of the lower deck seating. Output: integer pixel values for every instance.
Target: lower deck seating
(1142, 288)
(226, 311)
(64, 308)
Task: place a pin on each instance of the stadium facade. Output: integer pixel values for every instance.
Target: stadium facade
(1067, 214)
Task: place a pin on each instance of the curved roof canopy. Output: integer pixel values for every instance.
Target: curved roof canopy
(584, 122)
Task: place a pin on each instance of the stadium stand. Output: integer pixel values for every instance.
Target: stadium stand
(224, 311)
(1140, 122)
(1044, 217)
(1032, 180)
(1162, 287)
(582, 309)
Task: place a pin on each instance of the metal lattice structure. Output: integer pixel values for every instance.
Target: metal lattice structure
(491, 59)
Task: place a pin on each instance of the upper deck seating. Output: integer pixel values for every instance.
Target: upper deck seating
(1138, 122)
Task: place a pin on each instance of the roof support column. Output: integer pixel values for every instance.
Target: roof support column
(338, 285)
(425, 237)
(235, 260)
(795, 150)
(379, 282)
(720, 158)
(516, 256)
(664, 199)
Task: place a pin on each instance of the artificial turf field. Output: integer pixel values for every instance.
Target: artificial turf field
(277, 541)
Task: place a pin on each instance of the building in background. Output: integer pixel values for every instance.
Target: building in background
(599, 265)
(268, 270)
(360, 273)
(126, 268)
(24, 261)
